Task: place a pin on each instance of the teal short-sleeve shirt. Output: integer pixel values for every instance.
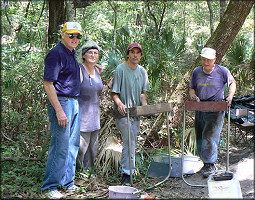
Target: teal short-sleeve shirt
(129, 84)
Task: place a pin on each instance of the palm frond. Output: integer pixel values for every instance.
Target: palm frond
(238, 50)
(109, 155)
(190, 137)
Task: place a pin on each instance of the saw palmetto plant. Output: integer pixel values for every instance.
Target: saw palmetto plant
(109, 155)
(190, 138)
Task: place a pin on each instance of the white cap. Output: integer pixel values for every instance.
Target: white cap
(208, 53)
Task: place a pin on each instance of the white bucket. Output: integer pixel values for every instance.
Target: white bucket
(191, 165)
(122, 192)
(229, 189)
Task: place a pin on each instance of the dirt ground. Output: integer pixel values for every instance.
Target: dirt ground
(241, 163)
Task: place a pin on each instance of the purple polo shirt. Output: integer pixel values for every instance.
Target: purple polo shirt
(62, 68)
(210, 87)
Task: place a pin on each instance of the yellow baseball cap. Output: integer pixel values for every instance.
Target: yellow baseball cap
(72, 27)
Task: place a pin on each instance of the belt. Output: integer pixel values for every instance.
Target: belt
(214, 100)
(61, 95)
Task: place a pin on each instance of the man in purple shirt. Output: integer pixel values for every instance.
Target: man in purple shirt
(62, 85)
(207, 84)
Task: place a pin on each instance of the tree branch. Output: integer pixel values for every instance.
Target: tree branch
(6, 14)
(82, 3)
(7, 137)
(41, 12)
(211, 15)
(20, 26)
(152, 15)
(114, 7)
(162, 17)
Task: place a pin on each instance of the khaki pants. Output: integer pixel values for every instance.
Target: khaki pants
(88, 150)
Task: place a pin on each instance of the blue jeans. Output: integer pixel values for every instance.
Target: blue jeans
(208, 126)
(122, 125)
(64, 146)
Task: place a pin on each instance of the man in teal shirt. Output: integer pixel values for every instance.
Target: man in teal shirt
(130, 83)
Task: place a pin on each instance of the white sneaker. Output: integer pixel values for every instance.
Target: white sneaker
(54, 194)
(72, 189)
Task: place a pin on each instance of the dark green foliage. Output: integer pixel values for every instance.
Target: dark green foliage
(163, 59)
(238, 52)
(22, 179)
(200, 42)
(23, 112)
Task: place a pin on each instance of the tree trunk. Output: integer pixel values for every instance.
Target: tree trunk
(56, 18)
(223, 5)
(211, 15)
(184, 20)
(232, 21)
(69, 11)
(223, 36)
(114, 7)
(138, 21)
(60, 12)
(82, 3)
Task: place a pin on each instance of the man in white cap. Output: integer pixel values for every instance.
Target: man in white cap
(207, 84)
(130, 83)
(62, 85)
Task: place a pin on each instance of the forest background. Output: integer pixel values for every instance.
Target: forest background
(172, 34)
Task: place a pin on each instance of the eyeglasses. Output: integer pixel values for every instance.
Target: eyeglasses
(92, 53)
(71, 36)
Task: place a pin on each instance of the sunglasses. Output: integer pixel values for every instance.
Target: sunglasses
(71, 36)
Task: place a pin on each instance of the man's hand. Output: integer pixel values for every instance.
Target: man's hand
(143, 99)
(121, 106)
(229, 100)
(122, 109)
(52, 95)
(232, 89)
(62, 119)
(194, 97)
